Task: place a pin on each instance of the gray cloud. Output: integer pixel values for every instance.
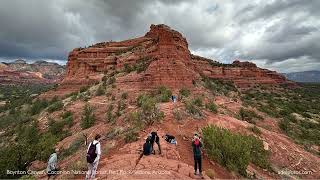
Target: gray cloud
(274, 34)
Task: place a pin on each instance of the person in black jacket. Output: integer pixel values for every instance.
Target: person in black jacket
(196, 147)
(147, 147)
(155, 138)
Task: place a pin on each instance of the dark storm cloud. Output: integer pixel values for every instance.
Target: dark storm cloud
(271, 33)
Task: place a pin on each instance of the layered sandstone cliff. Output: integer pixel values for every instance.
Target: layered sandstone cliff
(21, 72)
(166, 59)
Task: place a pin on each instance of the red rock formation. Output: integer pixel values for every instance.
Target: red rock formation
(243, 74)
(20, 72)
(169, 62)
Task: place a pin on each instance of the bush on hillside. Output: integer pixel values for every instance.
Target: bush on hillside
(248, 115)
(235, 151)
(120, 107)
(74, 147)
(131, 136)
(38, 105)
(109, 115)
(198, 101)
(255, 130)
(124, 95)
(88, 118)
(84, 89)
(193, 109)
(46, 146)
(212, 107)
(184, 92)
(100, 91)
(112, 80)
(217, 86)
(163, 94)
(55, 106)
(148, 113)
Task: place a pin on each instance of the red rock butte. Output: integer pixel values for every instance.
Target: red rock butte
(167, 60)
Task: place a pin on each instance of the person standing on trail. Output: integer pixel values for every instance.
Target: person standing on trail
(93, 156)
(196, 147)
(155, 138)
(52, 168)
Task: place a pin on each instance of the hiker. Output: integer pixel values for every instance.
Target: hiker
(52, 168)
(155, 138)
(147, 147)
(170, 139)
(93, 156)
(196, 147)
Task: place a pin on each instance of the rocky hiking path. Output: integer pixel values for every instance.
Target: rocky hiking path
(126, 163)
(184, 136)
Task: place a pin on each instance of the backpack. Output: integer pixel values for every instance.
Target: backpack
(91, 155)
(197, 150)
(196, 142)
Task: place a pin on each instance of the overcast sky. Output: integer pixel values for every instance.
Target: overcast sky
(281, 35)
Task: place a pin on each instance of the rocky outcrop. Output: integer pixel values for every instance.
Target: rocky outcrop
(243, 74)
(164, 59)
(162, 54)
(20, 71)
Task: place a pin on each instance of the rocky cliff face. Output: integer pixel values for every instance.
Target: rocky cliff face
(164, 58)
(20, 71)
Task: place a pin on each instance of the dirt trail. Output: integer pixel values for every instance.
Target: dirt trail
(184, 133)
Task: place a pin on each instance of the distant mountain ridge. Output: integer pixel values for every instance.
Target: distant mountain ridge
(304, 76)
(20, 71)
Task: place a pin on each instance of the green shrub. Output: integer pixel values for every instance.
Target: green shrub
(143, 64)
(198, 101)
(104, 79)
(255, 130)
(67, 118)
(192, 109)
(131, 136)
(217, 86)
(249, 115)
(234, 151)
(69, 121)
(177, 114)
(57, 128)
(212, 107)
(84, 89)
(128, 68)
(66, 114)
(121, 106)
(184, 92)
(46, 146)
(112, 80)
(109, 115)
(100, 91)
(88, 118)
(284, 124)
(38, 105)
(124, 95)
(55, 106)
(148, 112)
(73, 147)
(163, 94)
